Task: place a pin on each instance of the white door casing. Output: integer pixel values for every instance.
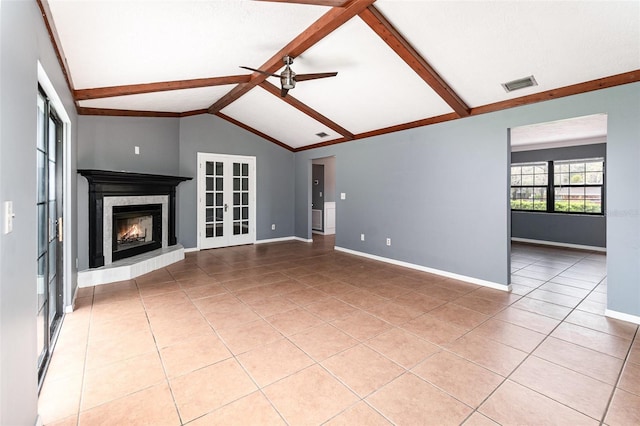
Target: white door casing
(226, 200)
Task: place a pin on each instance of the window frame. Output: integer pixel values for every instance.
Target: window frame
(551, 186)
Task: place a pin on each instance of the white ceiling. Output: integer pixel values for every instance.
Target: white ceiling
(474, 46)
(585, 130)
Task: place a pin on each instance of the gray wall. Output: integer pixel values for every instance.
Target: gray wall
(585, 230)
(441, 192)
(274, 175)
(107, 143)
(23, 41)
(431, 190)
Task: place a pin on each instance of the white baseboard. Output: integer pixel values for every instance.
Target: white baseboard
(622, 316)
(191, 249)
(275, 240)
(329, 232)
(70, 308)
(131, 267)
(556, 244)
(304, 240)
(484, 283)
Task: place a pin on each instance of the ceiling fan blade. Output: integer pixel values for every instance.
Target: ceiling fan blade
(304, 77)
(283, 92)
(260, 71)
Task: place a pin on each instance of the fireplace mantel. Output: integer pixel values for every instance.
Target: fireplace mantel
(109, 183)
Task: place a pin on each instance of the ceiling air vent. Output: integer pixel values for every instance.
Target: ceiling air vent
(322, 135)
(520, 83)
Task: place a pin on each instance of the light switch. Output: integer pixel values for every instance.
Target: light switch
(136, 149)
(320, 194)
(343, 195)
(8, 216)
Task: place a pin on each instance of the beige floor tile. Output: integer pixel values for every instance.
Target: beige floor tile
(151, 406)
(601, 323)
(630, 379)
(121, 378)
(131, 323)
(272, 305)
(394, 313)
(293, 321)
(348, 367)
(459, 316)
(419, 301)
(402, 347)
(251, 335)
(200, 292)
(624, 409)
(362, 299)
(477, 419)
(204, 390)
(235, 317)
(495, 356)
(480, 304)
(433, 330)
(361, 325)
(592, 339)
(68, 421)
(60, 398)
(165, 299)
(583, 360)
(274, 361)
(542, 308)
(323, 341)
(190, 355)
(409, 400)
(510, 334)
(179, 331)
(514, 404)
(460, 378)
(306, 296)
(118, 348)
(311, 396)
(359, 414)
(331, 309)
(535, 322)
(252, 410)
(582, 393)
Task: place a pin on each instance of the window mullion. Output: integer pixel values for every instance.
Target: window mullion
(550, 187)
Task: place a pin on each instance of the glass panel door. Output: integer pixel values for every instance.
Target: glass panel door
(49, 216)
(226, 200)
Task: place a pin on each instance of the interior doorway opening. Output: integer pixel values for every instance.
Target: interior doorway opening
(323, 198)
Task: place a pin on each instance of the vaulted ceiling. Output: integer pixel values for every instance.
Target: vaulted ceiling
(400, 63)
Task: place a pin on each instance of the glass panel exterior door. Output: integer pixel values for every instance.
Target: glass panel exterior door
(226, 200)
(49, 216)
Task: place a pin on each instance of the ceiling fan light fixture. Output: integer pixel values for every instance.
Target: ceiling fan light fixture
(520, 83)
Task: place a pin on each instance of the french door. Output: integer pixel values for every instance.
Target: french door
(226, 200)
(49, 205)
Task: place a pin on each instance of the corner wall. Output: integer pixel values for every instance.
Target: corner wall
(23, 42)
(274, 175)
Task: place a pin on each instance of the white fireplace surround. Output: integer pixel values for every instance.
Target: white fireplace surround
(107, 220)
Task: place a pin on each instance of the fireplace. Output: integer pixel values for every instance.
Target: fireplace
(137, 229)
(118, 198)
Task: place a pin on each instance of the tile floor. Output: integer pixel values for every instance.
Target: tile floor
(295, 333)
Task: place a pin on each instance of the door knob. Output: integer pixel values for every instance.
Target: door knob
(226, 207)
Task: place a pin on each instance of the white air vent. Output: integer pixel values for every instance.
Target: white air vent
(520, 83)
(322, 135)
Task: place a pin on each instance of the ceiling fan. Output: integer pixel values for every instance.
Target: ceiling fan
(288, 78)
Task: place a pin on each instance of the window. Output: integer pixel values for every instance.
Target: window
(529, 185)
(573, 186)
(578, 186)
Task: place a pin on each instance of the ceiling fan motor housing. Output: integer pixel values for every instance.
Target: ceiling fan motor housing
(288, 78)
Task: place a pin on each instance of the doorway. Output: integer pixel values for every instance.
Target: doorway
(226, 200)
(323, 196)
(49, 205)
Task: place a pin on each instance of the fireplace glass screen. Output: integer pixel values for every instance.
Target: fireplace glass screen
(136, 230)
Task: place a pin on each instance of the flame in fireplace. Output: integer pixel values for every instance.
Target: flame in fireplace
(132, 232)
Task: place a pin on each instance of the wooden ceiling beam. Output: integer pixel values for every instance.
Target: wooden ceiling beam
(381, 26)
(307, 110)
(331, 3)
(125, 112)
(138, 89)
(324, 26)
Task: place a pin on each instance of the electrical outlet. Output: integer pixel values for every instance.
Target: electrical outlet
(343, 195)
(361, 237)
(8, 216)
(273, 226)
(388, 241)
(136, 150)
